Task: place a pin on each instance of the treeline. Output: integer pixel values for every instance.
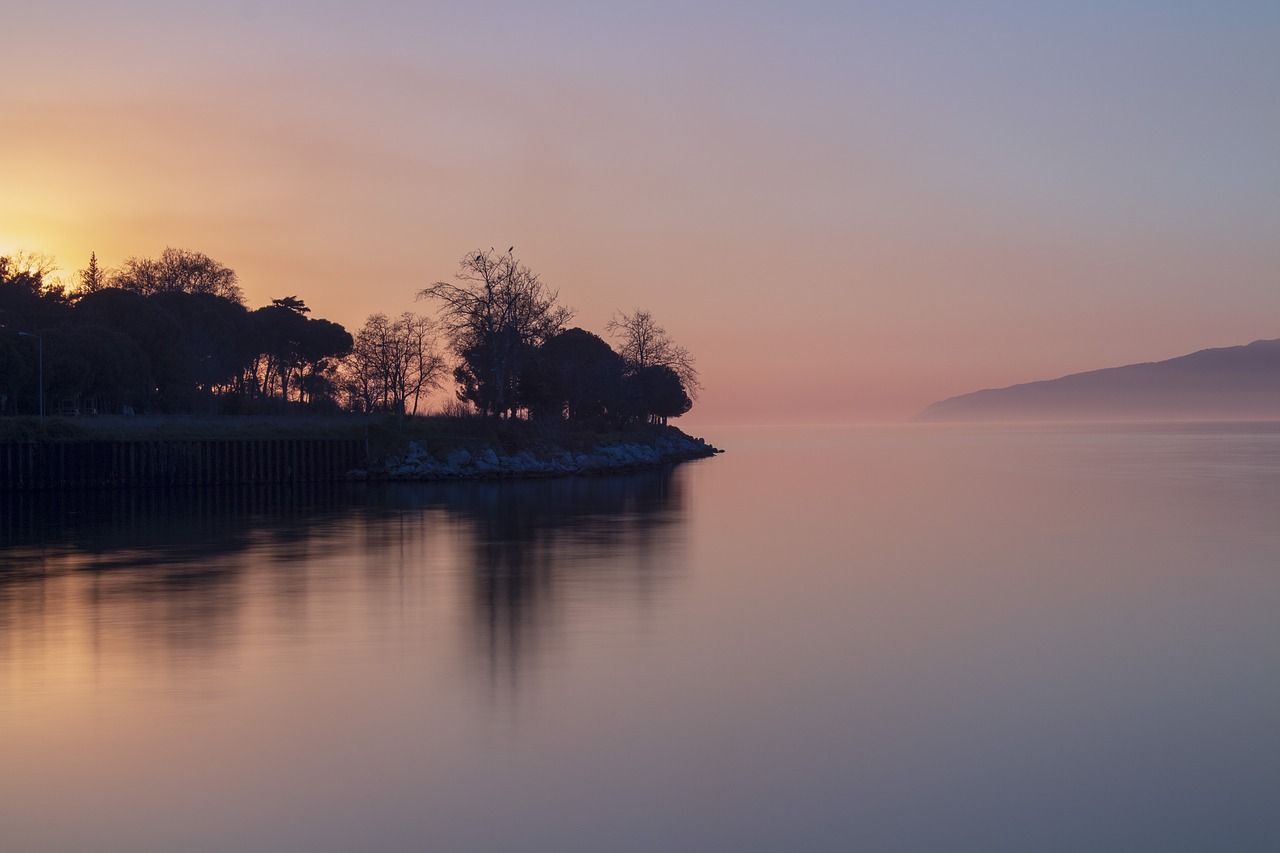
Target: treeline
(173, 335)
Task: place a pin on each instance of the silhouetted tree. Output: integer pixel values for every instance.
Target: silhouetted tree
(219, 345)
(393, 363)
(320, 352)
(574, 373)
(30, 298)
(279, 332)
(495, 312)
(173, 334)
(17, 371)
(90, 369)
(660, 393)
(643, 343)
(662, 381)
(157, 335)
(173, 337)
(179, 270)
(293, 303)
(33, 270)
(296, 355)
(92, 278)
(31, 302)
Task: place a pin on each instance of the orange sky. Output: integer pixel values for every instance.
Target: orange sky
(844, 214)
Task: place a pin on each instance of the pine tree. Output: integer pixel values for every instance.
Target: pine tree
(92, 278)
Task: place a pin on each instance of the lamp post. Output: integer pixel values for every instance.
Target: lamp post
(40, 357)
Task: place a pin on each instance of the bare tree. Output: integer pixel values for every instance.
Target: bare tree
(37, 264)
(394, 363)
(495, 312)
(34, 271)
(643, 344)
(178, 270)
(422, 363)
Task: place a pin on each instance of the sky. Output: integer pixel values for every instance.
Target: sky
(845, 211)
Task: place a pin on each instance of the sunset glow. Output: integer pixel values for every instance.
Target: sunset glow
(844, 213)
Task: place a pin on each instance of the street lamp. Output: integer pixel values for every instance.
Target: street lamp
(40, 350)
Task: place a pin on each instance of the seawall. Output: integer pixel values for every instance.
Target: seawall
(43, 465)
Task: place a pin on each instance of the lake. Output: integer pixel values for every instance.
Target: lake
(909, 638)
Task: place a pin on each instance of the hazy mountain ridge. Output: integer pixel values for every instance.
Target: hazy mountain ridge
(1221, 383)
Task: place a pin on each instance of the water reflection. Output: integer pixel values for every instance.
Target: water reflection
(198, 574)
(527, 540)
(46, 532)
(1038, 639)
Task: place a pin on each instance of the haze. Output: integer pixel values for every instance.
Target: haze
(846, 213)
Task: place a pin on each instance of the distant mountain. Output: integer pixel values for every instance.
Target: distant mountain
(1212, 384)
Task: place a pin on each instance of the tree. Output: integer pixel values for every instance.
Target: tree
(393, 363)
(643, 344)
(495, 312)
(323, 344)
(575, 373)
(93, 277)
(179, 270)
(295, 352)
(218, 350)
(31, 299)
(153, 330)
(92, 368)
(661, 393)
(33, 269)
(661, 378)
(17, 370)
(293, 303)
(278, 332)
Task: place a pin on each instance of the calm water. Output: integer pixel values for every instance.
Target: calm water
(881, 639)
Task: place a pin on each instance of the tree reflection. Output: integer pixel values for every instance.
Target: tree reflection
(530, 543)
(165, 567)
(175, 572)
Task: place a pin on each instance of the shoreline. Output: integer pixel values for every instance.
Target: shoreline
(420, 464)
(68, 456)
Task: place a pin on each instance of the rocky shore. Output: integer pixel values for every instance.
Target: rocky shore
(418, 462)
